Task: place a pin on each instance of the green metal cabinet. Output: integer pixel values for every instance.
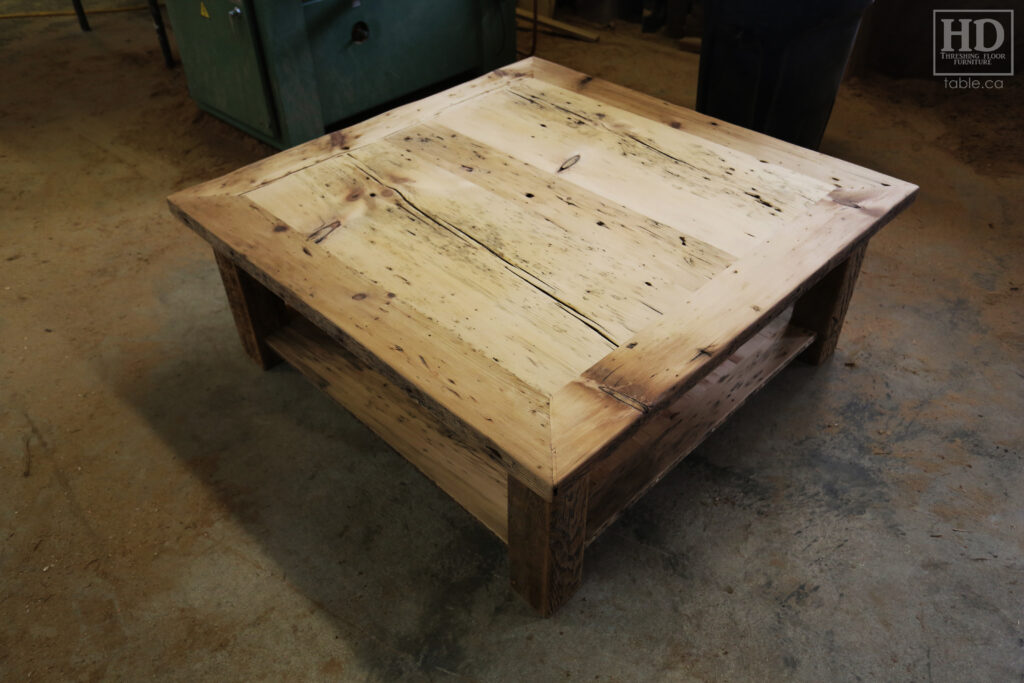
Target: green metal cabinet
(287, 70)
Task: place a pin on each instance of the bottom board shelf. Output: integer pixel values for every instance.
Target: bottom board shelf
(460, 466)
(670, 435)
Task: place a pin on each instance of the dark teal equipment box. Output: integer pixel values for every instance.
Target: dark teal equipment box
(286, 71)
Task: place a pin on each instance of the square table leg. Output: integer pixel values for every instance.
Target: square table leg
(822, 309)
(257, 311)
(545, 543)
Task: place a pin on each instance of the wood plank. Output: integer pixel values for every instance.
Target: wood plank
(773, 189)
(366, 132)
(568, 29)
(640, 462)
(414, 230)
(570, 221)
(454, 460)
(545, 543)
(823, 307)
(462, 387)
(712, 204)
(613, 269)
(841, 174)
(256, 311)
(544, 7)
(676, 351)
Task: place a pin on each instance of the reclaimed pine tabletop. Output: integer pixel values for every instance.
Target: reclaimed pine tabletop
(541, 288)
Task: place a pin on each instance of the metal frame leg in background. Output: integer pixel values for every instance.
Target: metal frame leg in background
(161, 32)
(158, 24)
(80, 13)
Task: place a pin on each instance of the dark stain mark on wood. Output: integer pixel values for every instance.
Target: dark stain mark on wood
(280, 228)
(585, 80)
(631, 345)
(660, 151)
(424, 361)
(529, 195)
(566, 306)
(633, 403)
(682, 240)
(339, 140)
(675, 124)
(651, 307)
(306, 251)
(413, 210)
(702, 352)
(846, 202)
(764, 202)
(356, 194)
(359, 297)
(391, 295)
(569, 163)
(324, 231)
(467, 169)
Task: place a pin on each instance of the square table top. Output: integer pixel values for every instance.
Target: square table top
(547, 256)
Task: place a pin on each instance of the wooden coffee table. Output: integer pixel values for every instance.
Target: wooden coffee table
(542, 289)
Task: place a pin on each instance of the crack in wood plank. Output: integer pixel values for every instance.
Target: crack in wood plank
(517, 270)
(569, 308)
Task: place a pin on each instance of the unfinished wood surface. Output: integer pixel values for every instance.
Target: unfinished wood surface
(823, 307)
(621, 478)
(673, 353)
(461, 387)
(546, 258)
(257, 312)
(457, 461)
(545, 543)
(541, 288)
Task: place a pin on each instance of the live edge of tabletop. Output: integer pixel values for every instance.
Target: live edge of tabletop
(542, 289)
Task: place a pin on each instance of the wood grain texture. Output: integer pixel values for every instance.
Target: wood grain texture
(622, 477)
(257, 312)
(673, 353)
(541, 288)
(545, 543)
(823, 307)
(398, 341)
(547, 258)
(456, 460)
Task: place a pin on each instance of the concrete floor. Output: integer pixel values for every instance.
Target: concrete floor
(169, 512)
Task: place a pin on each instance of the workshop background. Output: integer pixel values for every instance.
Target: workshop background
(170, 512)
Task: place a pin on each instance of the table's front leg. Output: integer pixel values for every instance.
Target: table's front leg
(545, 543)
(822, 309)
(257, 310)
